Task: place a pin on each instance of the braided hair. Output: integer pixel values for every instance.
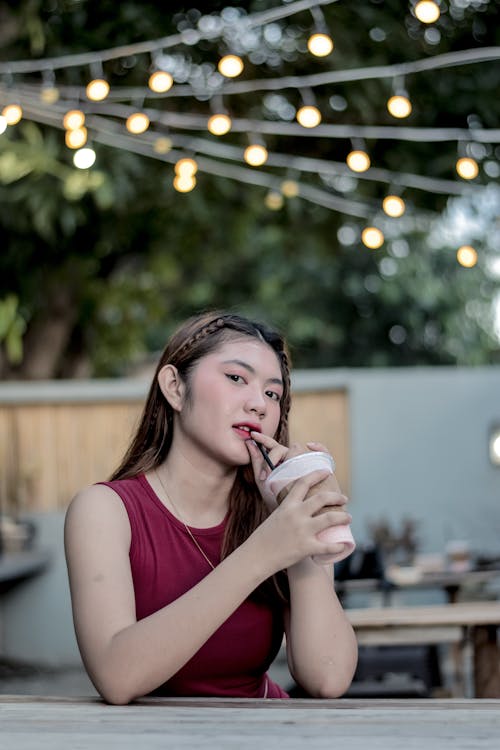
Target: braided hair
(196, 338)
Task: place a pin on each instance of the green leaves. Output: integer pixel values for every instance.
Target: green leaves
(12, 328)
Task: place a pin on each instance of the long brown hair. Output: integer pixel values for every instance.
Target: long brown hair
(151, 443)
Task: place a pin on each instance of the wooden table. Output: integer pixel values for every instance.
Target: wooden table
(30, 723)
(468, 622)
(449, 581)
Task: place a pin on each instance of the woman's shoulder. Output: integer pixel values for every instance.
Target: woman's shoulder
(96, 501)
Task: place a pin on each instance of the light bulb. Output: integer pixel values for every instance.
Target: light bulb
(219, 124)
(12, 113)
(3, 124)
(73, 119)
(255, 155)
(84, 158)
(358, 161)
(427, 11)
(467, 256)
(76, 138)
(49, 94)
(137, 123)
(393, 206)
(274, 200)
(399, 106)
(162, 145)
(372, 238)
(230, 66)
(186, 167)
(97, 90)
(320, 45)
(160, 81)
(184, 184)
(290, 188)
(467, 168)
(309, 116)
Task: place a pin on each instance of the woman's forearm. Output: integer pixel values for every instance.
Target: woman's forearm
(143, 655)
(321, 645)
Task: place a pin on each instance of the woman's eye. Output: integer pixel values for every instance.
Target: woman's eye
(273, 395)
(234, 378)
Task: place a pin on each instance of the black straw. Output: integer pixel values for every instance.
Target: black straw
(264, 453)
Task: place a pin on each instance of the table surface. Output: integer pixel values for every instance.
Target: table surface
(29, 723)
(462, 613)
(422, 580)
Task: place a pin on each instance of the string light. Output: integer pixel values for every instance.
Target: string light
(162, 145)
(186, 167)
(3, 124)
(358, 161)
(137, 123)
(427, 11)
(230, 66)
(372, 237)
(73, 119)
(12, 113)
(467, 168)
(399, 106)
(84, 158)
(393, 206)
(97, 90)
(219, 124)
(160, 81)
(320, 44)
(274, 200)
(467, 256)
(309, 116)
(255, 155)
(290, 188)
(49, 94)
(184, 183)
(76, 138)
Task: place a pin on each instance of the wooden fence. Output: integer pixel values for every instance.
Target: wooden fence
(56, 438)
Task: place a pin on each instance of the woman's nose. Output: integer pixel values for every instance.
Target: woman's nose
(256, 403)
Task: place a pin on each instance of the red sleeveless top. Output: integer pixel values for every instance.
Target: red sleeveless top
(165, 563)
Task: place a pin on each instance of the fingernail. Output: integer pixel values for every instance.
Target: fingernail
(263, 475)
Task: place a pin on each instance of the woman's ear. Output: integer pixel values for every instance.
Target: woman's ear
(172, 386)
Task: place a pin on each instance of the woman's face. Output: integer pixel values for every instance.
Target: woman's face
(236, 388)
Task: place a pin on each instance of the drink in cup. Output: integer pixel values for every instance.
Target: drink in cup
(279, 480)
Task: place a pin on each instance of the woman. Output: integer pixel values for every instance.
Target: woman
(183, 572)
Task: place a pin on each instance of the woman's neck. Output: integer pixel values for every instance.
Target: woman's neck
(200, 494)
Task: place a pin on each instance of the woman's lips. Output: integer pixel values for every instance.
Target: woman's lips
(243, 429)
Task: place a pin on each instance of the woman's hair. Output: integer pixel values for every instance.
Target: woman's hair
(151, 443)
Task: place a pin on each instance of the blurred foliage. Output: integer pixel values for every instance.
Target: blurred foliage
(12, 328)
(105, 262)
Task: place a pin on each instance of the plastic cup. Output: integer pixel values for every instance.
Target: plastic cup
(284, 474)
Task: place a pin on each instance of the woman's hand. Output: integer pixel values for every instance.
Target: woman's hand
(289, 534)
(277, 454)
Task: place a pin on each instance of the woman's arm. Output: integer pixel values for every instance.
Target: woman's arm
(321, 645)
(126, 658)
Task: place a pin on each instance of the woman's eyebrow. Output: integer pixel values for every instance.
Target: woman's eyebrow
(250, 369)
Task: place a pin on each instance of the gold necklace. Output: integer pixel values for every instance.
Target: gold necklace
(182, 519)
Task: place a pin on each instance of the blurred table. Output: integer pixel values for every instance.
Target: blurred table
(28, 723)
(451, 582)
(465, 622)
(17, 566)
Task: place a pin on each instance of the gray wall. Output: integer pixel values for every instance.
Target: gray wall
(419, 448)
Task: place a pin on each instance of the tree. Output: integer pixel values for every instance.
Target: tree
(105, 262)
